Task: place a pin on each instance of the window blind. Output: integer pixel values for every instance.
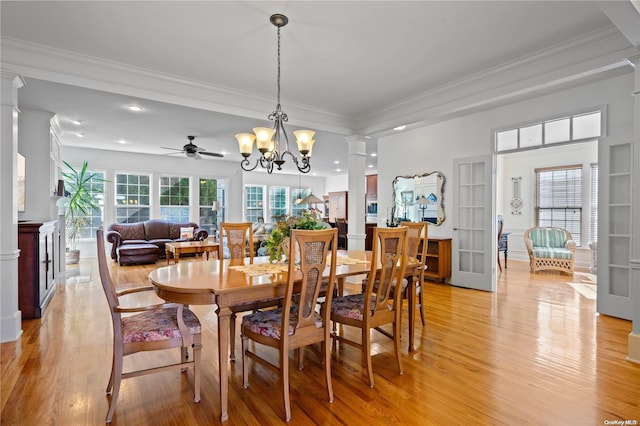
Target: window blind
(593, 204)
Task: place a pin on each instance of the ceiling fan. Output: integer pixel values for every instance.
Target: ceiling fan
(193, 151)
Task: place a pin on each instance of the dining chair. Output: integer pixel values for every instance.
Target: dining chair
(239, 239)
(304, 325)
(376, 307)
(151, 328)
(417, 237)
(341, 224)
(500, 244)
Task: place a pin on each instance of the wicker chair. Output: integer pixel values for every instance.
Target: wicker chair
(550, 249)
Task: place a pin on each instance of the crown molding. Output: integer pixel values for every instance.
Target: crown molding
(562, 65)
(65, 67)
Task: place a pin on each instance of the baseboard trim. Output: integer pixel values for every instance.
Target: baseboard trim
(634, 348)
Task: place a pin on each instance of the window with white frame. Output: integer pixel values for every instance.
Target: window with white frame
(298, 194)
(253, 202)
(211, 190)
(577, 127)
(94, 219)
(559, 199)
(278, 206)
(174, 199)
(132, 198)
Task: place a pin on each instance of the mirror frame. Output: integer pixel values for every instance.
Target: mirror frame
(440, 203)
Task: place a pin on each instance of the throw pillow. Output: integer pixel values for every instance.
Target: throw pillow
(186, 233)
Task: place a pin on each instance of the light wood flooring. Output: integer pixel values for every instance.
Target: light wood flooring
(532, 353)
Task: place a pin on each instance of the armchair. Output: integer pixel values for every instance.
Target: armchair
(550, 249)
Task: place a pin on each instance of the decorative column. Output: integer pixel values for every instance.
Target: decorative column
(357, 191)
(634, 337)
(10, 315)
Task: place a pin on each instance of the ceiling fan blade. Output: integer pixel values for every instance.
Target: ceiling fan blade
(211, 154)
(172, 149)
(173, 153)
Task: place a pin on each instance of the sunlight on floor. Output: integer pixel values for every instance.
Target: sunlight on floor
(585, 284)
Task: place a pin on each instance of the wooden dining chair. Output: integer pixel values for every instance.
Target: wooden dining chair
(341, 224)
(417, 237)
(304, 325)
(152, 328)
(376, 307)
(238, 237)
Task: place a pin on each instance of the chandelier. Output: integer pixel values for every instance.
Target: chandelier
(273, 143)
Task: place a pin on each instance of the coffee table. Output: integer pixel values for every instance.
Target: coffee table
(186, 247)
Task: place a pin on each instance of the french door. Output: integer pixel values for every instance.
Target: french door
(474, 256)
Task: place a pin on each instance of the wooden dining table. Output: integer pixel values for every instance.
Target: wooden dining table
(222, 284)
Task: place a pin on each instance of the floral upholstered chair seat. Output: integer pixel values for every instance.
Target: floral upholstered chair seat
(160, 324)
(351, 306)
(268, 323)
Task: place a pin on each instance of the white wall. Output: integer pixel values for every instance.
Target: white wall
(434, 147)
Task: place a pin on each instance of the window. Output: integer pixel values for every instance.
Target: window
(253, 203)
(174, 199)
(298, 194)
(559, 199)
(593, 204)
(94, 219)
(278, 207)
(211, 190)
(132, 198)
(535, 135)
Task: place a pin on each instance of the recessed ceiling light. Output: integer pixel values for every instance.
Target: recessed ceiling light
(374, 154)
(134, 108)
(336, 162)
(76, 121)
(400, 128)
(122, 141)
(80, 135)
(338, 170)
(370, 166)
(367, 137)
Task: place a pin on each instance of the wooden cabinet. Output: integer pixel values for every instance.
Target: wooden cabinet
(338, 202)
(372, 187)
(438, 259)
(36, 267)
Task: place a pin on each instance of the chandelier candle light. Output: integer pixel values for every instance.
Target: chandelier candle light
(273, 143)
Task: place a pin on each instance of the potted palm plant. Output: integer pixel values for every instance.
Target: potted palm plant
(80, 189)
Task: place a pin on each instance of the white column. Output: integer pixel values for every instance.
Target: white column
(634, 337)
(10, 315)
(357, 191)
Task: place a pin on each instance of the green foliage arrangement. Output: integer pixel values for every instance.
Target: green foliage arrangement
(81, 200)
(278, 242)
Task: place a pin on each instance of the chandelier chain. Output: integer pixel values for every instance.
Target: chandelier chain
(278, 68)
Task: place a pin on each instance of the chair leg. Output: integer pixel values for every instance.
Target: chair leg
(421, 302)
(366, 351)
(245, 364)
(197, 357)
(396, 341)
(284, 371)
(117, 378)
(113, 367)
(232, 337)
(326, 352)
(300, 352)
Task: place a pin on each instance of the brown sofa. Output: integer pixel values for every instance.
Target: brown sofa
(135, 242)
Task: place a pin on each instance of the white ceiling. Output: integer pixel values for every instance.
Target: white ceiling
(208, 68)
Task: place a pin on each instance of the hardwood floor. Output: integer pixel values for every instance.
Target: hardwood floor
(534, 352)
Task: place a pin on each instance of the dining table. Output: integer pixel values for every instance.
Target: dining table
(225, 285)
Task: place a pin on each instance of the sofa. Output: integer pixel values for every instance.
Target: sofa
(144, 242)
(550, 249)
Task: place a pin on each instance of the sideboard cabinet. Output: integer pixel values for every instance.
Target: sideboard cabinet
(36, 276)
(438, 260)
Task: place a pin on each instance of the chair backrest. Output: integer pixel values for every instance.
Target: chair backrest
(313, 248)
(417, 235)
(548, 236)
(389, 251)
(239, 239)
(341, 224)
(500, 226)
(109, 288)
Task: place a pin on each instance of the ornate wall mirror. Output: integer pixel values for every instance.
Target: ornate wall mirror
(418, 198)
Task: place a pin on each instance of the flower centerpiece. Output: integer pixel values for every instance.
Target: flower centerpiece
(278, 242)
